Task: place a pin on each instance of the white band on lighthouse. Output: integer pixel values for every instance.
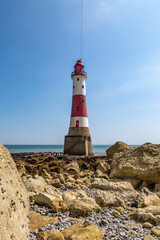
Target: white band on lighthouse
(83, 122)
(79, 85)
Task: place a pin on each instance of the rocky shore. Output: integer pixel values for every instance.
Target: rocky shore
(115, 197)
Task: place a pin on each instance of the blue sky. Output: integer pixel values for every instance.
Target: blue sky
(39, 45)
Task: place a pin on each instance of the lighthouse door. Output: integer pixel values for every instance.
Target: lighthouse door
(77, 123)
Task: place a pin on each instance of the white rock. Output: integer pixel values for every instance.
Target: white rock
(14, 201)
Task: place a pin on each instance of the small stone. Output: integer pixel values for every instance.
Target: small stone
(41, 229)
(116, 213)
(120, 209)
(104, 222)
(149, 237)
(155, 232)
(132, 233)
(56, 183)
(148, 225)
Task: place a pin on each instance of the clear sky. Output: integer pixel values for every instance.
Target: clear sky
(39, 45)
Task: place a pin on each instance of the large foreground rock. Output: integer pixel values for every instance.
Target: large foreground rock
(142, 162)
(83, 232)
(13, 200)
(117, 148)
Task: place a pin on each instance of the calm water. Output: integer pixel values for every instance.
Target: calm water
(99, 150)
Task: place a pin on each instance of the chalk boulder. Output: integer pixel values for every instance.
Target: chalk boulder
(142, 162)
(118, 147)
(14, 203)
(36, 184)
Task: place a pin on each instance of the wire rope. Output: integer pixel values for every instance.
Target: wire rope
(81, 27)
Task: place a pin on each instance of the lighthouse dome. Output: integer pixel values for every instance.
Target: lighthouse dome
(79, 69)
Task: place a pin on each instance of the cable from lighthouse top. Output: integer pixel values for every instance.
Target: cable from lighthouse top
(81, 27)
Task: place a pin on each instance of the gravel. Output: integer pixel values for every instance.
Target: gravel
(113, 228)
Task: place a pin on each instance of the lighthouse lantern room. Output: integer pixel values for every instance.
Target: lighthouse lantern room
(78, 140)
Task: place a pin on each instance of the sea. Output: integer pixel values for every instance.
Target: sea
(99, 150)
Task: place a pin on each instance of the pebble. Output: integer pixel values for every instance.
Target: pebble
(113, 228)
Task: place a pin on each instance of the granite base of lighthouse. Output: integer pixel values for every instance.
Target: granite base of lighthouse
(78, 142)
(77, 145)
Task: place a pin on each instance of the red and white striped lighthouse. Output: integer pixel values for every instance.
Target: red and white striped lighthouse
(78, 140)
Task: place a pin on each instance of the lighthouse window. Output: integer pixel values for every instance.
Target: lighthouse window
(83, 100)
(77, 123)
(77, 79)
(73, 86)
(77, 108)
(82, 86)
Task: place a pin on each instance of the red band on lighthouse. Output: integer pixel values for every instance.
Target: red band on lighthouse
(79, 107)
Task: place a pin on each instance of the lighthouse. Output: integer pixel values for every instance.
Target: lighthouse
(78, 140)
